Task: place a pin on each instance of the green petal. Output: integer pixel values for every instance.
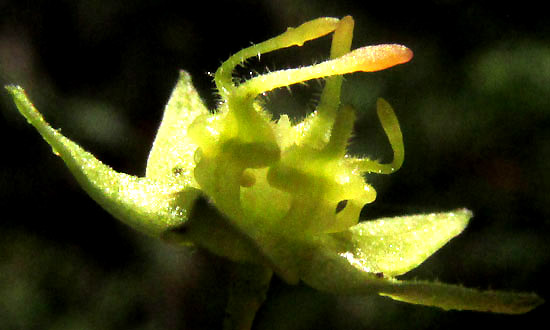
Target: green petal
(147, 205)
(456, 297)
(171, 158)
(394, 246)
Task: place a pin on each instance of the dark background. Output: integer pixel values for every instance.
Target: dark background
(474, 107)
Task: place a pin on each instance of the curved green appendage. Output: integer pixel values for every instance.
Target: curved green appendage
(391, 127)
(171, 159)
(291, 37)
(146, 205)
(394, 246)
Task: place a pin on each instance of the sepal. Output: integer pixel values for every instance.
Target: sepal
(145, 204)
(456, 297)
(171, 159)
(394, 246)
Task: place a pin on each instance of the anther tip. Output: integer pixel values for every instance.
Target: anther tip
(407, 54)
(378, 57)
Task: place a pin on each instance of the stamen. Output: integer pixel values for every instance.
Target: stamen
(292, 37)
(341, 45)
(341, 132)
(330, 97)
(367, 59)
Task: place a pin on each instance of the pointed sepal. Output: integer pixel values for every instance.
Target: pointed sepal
(145, 204)
(394, 246)
(171, 159)
(456, 297)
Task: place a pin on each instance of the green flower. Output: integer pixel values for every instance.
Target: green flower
(282, 196)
